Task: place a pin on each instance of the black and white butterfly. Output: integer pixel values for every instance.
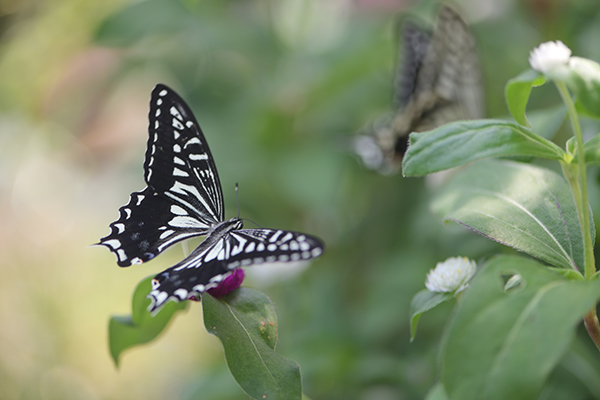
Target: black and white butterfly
(184, 199)
(438, 80)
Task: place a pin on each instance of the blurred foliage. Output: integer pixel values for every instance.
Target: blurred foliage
(279, 88)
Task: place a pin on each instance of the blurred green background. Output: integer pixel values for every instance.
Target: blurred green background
(279, 88)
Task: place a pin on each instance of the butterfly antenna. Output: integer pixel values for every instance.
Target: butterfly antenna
(236, 199)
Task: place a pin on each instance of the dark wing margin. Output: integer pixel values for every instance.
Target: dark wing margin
(207, 266)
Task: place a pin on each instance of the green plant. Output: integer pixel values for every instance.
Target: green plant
(518, 316)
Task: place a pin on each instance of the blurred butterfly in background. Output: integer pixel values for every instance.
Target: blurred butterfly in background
(184, 199)
(438, 80)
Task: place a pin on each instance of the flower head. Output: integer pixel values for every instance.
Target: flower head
(550, 57)
(229, 284)
(451, 275)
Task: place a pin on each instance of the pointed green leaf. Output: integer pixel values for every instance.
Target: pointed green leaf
(517, 93)
(246, 324)
(503, 345)
(140, 327)
(522, 206)
(459, 143)
(421, 302)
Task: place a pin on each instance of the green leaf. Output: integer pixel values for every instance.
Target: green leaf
(547, 121)
(522, 206)
(424, 301)
(246, 324)
(584, 80)
(503, 345)
(517, 93)
(437, 392)
(459, 143)
(592, 150)
(140, 327)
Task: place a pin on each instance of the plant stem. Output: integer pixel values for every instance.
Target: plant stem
(593, 326)
(578, 182)
(580, 192)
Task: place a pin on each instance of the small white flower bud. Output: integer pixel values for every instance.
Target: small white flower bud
(550, 57)
(451, 275)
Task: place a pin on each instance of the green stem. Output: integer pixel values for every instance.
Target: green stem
(580, 192)
(578, 181)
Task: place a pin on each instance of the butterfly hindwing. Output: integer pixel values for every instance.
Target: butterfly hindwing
(147, 225)
(210, 263)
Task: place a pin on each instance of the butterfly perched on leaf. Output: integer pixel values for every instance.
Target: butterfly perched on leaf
(184, 199)
(438, 80)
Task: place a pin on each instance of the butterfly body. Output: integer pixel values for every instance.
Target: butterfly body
(184, 199)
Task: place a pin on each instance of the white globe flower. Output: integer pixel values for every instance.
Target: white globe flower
(451, 275)
(550, 58)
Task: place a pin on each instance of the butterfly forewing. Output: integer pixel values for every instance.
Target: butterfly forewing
(178, 161)
(208, 265)
(415, 44)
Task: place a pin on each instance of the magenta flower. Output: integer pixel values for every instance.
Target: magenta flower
(229, 284)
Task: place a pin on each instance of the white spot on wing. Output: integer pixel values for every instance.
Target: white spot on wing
(178, 160)
(186, 222)
(250, 247)
(177, 124)
(198, 288)
(178, 210)
(181, 293)
(193, 140)
(160, 297)
(176, 148)
(120, 227)
(139, 199)
(197, 157)
(166, 234)
(121, 255)
(175, 112)
(179, 172)
(287, 237)
(214, 251)
(113, 244)
(163, 92)
(273, 238)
